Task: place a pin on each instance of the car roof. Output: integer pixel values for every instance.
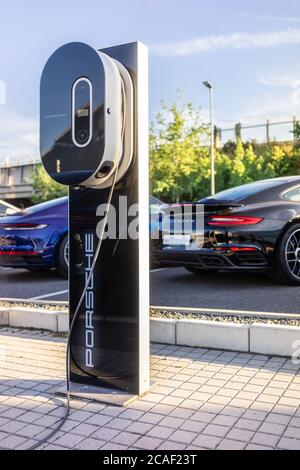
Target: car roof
(48, 204)
(251, 190)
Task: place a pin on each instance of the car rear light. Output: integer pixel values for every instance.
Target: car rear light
(22, 226)
(226, 220)
(16, 252)
(235, 249)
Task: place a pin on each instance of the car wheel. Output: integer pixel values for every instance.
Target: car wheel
(287, 258)
(63, 257)
(195, 270)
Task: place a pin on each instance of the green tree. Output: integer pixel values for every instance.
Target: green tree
(179, 165)
(45, 188)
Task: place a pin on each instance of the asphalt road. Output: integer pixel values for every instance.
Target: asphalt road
(173, 287)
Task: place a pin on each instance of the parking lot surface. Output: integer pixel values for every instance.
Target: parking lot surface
(202, 399)
(172, 287)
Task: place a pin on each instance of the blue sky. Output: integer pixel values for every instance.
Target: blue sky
(248, 49)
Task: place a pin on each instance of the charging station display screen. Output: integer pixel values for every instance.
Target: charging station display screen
(81, 112)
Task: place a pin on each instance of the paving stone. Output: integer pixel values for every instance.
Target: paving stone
(224, 420)
(203, 416)
(31, 430)
(240, 435)
(295, 422)
(277, 418)
(89, 444)
(272, 428)
(113, 446)
(185, 437)
(293, 432)
(171, 445)
(126, 438)
(171, 422)
(269, 440)
(68, 440)
(12, 442)
(208, 442)
(257, 447)
(149, 443)
(119, 423)
(287, 443)
(216, 430)
(139, 428)
(105, 434)
(99, 420)
(160, 432)
(248, 424)
(230, 444)
(84, 429)
(194, 426)
(151, 418)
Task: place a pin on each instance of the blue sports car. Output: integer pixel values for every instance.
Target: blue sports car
(37, 238)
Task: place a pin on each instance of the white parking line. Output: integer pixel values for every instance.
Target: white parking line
(53, 294)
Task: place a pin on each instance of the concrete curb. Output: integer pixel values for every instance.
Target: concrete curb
(261, 338)
(41, 319)
(210, 334)
(274, 339)
(163, 330)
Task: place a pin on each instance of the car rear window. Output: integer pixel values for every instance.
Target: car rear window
(242, 192)
(48, 204)
(292, 195)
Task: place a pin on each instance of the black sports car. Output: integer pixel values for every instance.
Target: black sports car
(251, 227)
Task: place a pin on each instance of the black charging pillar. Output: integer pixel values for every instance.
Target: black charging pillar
(110, 341)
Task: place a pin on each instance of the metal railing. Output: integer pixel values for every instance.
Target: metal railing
(237, 131)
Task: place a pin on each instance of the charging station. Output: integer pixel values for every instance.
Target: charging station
(94, 139)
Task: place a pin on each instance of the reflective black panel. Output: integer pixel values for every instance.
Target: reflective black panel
(105, 342)
(65, 161)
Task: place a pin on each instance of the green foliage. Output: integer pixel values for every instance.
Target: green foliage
(45, 188)
(180, 158)
(296, 131)
(175, 153)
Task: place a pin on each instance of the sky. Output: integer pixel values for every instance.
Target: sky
(249, 50)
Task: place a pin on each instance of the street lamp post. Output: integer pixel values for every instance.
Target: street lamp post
(212, 143)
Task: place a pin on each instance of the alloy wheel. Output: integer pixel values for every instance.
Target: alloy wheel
(292, 254)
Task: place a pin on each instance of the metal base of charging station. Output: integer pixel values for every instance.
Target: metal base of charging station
(99, 394)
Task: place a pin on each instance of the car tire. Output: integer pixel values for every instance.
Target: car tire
(287, 258)
(200, 271)
(62, 256)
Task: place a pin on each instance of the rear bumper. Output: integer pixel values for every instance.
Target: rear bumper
(212, 259)
(14, 259)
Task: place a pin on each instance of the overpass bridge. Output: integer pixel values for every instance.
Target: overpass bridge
(16, 181)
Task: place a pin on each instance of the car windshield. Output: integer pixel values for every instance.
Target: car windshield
(242, 192)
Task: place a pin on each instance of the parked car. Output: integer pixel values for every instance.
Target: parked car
(253, 227)
(37, 238)
(7, 209)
